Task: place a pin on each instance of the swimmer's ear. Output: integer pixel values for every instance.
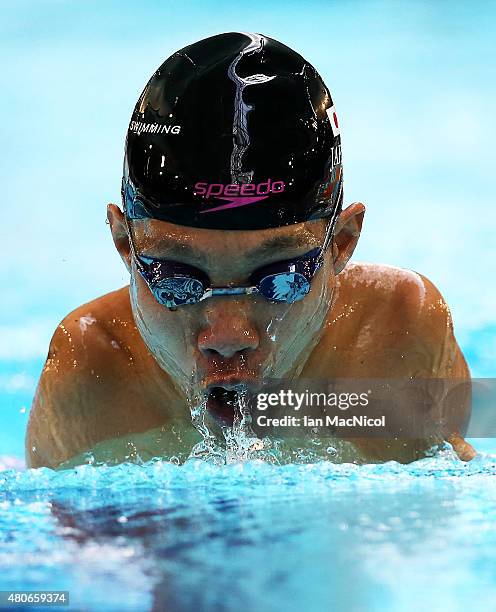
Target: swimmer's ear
(346, 234)
(119, 233)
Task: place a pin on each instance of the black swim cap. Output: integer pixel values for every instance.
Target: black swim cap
(236, 131)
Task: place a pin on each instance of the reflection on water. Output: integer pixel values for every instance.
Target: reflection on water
(255, 536)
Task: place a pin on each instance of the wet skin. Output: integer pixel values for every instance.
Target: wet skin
(124, 364)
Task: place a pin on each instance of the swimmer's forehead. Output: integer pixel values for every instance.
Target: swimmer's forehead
(160, 239)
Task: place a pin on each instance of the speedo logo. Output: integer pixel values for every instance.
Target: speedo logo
(238, 195)
(141, 127)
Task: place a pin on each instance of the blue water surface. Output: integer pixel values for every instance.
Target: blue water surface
(253, 536)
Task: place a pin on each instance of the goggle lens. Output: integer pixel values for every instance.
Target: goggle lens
(178, 290)
(286, 287)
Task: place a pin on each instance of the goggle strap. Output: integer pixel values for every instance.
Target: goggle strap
(137, 260)
(330, 229)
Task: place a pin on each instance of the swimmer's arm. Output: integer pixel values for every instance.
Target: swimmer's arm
(76, 404)
(431, 352)
(57, 427)
(447, 362)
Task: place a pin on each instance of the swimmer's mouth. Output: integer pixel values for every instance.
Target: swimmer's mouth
(221, 403)
(232, 382)
(222, 394)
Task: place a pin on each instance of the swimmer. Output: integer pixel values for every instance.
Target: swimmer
(233, 231)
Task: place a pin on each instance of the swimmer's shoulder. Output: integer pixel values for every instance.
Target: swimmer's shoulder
(92, 373)
(388, 285)
(387, 290)
(101, 324)
(397, 316)
(96, 335)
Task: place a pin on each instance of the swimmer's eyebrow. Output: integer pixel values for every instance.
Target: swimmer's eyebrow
(165, 249)
(280, 244)
(268, 248)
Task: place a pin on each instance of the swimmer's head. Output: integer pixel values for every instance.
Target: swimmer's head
(236, 131)
(232, 134)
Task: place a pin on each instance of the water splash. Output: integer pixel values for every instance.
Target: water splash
(208, 448)
(226, 444)
(237, 442)
(242, 443)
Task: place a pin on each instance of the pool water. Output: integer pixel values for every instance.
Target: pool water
(255, 536)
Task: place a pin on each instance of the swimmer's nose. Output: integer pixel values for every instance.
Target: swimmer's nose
(229, 332)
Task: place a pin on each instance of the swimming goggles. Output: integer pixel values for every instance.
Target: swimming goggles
(175, 284)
